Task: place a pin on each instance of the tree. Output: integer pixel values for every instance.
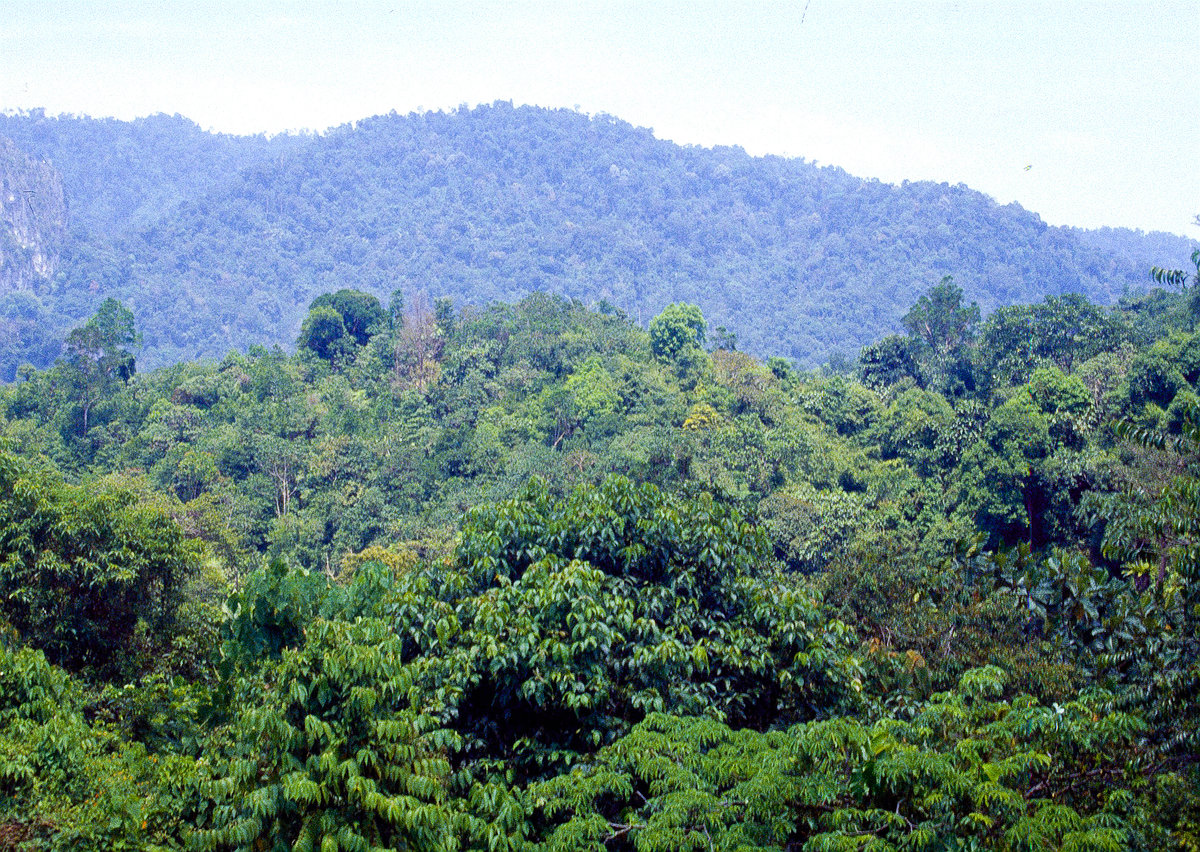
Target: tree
(940, 319)
(443, 313)
(725, 339)
(327, 752)
(338, 324)
(1178, 277)
(323, 332)
(968, 772)
(942, 328)
(678, 328)
(98, 354)
(396, 310)
(889, 362)
(362, 314)
(1064, 330)
(419, 343)
(581, 615)
(997, 480)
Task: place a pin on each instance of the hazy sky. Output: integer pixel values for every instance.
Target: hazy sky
(1087, 113)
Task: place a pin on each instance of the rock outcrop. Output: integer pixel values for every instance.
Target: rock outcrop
(33, 220)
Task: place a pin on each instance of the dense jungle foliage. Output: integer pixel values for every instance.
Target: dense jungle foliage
(533, 577)
(220, 242)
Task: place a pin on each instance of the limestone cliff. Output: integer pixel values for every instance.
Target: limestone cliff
(33, 219)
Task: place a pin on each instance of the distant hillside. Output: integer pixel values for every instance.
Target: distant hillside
(124, 175)
(104, 179)
(220, 242)
(1143, 250)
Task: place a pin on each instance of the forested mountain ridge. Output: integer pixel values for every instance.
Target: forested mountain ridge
(220, 242)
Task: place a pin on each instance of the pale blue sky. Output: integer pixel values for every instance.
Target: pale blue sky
(1087, 113)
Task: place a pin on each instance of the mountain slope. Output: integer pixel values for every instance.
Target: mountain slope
(496, 202)
(123, 175)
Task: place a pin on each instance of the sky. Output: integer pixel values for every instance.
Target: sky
(1087, 113)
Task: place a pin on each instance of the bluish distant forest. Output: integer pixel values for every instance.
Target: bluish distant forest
(221, 242)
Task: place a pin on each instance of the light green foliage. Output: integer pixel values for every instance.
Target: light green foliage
(966, 770)
(1066, 403)
(674, 783)
(892, 361)
(812, 527)
(327, 753)
(594, 394)
(846, 406)
(68, 784)
(914, 428)
(1058, 394)
(941, 328)
(272, 610)
(679, 328)
(1154, 377)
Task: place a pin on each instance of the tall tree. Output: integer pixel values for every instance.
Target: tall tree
(944, 327)
(941, 320)
(419, 342)
(98, 354)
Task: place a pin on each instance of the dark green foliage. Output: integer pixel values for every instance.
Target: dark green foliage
(889, 362)
(940, 320)
(1154, 377)
(339, 324)
(98, 355)
(93, 576)
(323, 332)
(361, 313)
(620, 601)
(1064, 331)
(1156, 533)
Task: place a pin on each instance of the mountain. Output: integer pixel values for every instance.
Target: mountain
(220, 242)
